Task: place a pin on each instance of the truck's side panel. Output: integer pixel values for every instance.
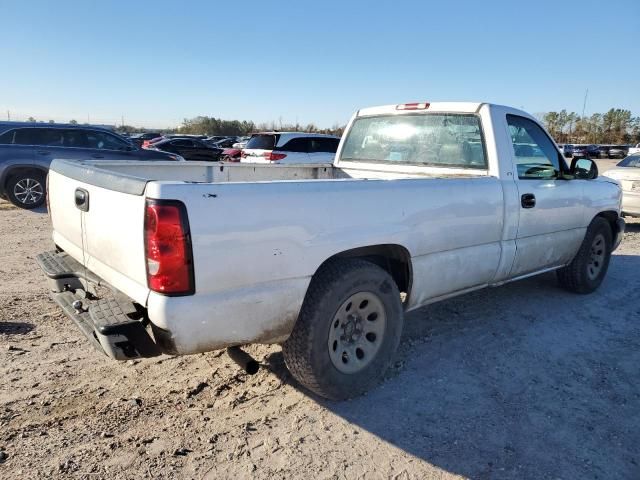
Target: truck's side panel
(272, 251)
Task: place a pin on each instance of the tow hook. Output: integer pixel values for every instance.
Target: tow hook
(243, 359)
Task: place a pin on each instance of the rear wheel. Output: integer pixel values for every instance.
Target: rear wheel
(589, 267)
(348, 329)
(26, 189)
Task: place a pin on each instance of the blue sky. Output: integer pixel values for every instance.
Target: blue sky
(157, 62)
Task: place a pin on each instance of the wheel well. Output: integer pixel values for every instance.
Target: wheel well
(395, 259)
(21, 169)
(611, 217)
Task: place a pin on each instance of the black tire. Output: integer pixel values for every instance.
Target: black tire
(27, 198)
(580, 275)
(307, 353)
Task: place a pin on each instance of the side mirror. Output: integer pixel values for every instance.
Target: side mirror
(584, 169)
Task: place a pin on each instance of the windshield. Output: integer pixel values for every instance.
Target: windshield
(434, 139)
(630, 161)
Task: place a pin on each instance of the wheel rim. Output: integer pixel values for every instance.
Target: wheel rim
(356, 332)
(28, 191)
(597, 255)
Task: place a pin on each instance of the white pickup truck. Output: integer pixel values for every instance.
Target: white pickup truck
(424, 202)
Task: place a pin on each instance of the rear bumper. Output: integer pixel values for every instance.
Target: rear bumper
(112, 322)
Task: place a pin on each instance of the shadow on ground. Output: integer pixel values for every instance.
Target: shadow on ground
(522, 381)
(15, 328)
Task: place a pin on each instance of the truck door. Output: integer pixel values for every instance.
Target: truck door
(550, 227)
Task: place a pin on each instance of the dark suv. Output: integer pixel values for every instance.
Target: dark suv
(27, 149)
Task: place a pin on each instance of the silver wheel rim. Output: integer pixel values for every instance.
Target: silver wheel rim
(597, 255)
(356, 332)
(28, 191)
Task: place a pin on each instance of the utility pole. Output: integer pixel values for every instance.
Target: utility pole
(122, 118)
(584, 104)
(8, 115)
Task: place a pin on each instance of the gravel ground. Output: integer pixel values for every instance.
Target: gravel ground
(523, 381)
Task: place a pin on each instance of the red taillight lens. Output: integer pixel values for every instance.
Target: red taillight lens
(168, 248)
(272, 157)
(413, 106)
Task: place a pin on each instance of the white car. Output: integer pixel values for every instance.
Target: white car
(635, 149)
(422, 203)
(290, 147)
(627, 172)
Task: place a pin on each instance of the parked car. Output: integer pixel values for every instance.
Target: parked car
(231, 155)
(618, 151)
(427, 200)
(27, 149)
(217, 138)
(627, 172)
(633, 150)
(290, 147)
(147, 143)
(593, 151)
(567, 150)
(225, 142)
(579, 151)
(188, 148)
(139, 138)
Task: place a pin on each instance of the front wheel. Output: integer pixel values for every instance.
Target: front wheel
(27, 189)
(348, 329)
(587, 270)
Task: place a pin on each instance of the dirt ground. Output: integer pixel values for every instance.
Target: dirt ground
(523, 381)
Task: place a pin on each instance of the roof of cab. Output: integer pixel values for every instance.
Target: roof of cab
(457, 107)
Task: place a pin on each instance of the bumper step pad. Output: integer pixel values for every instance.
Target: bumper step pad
(64, 272)
(113, 323)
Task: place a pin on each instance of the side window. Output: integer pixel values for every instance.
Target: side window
(182, 143)
(104, 141)
(536, 155)
(296, 145)
(328, 145)
(75, 138)
(7, 137)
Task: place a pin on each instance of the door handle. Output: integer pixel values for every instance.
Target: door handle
(82, 199)
(528, 200)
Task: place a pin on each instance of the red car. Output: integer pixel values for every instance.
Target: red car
(146, 143)
(231, 155)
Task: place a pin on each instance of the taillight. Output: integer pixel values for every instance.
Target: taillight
(272, 157)
(168, 248)
(413, 106)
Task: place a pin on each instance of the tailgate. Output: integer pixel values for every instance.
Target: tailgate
(105, 232)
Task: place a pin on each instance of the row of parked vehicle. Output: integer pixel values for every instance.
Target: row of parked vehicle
(594, 151)
(27, 149)
(263, 147)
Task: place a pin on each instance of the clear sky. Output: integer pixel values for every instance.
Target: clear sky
(157, 62)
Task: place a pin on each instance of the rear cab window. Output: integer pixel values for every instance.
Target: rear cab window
(431, 139)
(267, 141)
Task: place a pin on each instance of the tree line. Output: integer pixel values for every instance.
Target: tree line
(216, 126)
(616, 127)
